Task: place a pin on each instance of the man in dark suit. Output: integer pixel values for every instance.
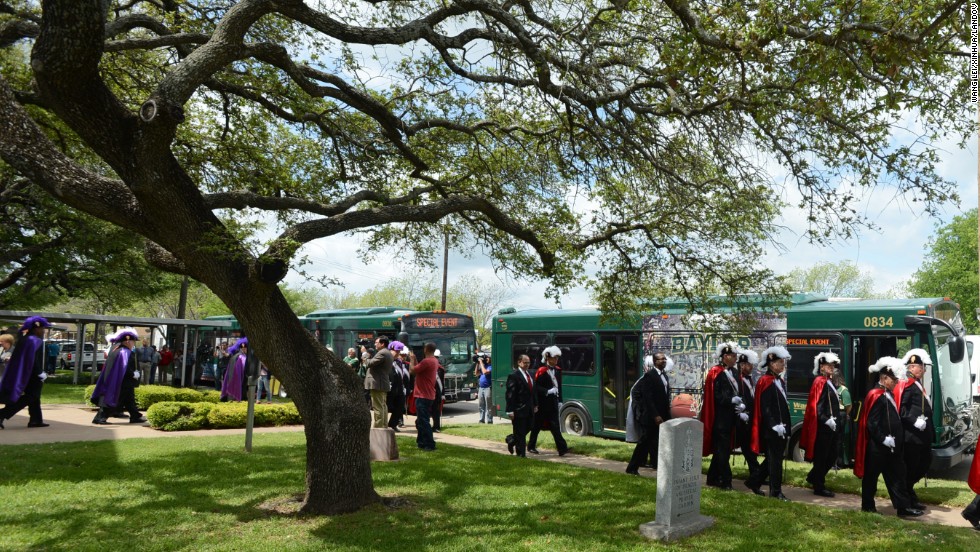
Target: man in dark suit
(651, 407)
(521, 405)
(547, 387)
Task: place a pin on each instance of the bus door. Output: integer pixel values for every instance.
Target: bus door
(865, 351)
(620, 364)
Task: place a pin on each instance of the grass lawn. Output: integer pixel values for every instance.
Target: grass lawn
(205, 493)
(939, 491)
(60, 393)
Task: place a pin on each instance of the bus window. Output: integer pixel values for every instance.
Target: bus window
(531, 345)
(577, 353)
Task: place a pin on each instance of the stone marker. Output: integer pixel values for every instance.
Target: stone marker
(678, 482)
(383, 444)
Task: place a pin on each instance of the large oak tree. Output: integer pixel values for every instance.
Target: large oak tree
(636, 136)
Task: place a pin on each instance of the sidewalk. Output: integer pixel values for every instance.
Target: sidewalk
(74, 423)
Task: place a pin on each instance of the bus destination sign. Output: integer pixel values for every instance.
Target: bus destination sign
(804, 341)
(431, 322)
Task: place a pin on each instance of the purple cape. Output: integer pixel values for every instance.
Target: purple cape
(20, 368)
(111, 378)
(231, 387)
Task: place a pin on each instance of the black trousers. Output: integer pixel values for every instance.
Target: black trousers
(719, 470)
(892, 466)
(127, 403)
(972, 511)
(825, 450)
(648, 445)
(918, 458)
(552, 420)
(772, 466)
(743, 436)
(31, 399)
(521, 425)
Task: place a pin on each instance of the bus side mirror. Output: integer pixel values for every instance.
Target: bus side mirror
(957, 349)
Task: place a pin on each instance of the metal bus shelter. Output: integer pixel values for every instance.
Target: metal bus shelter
(82, 321)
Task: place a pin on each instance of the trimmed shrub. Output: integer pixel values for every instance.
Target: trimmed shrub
(228, 415)
(149, 395)
(186, 416)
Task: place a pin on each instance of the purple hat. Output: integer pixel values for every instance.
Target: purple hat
(238, 345)
(121, 335)
(396, 345)
(35, 322)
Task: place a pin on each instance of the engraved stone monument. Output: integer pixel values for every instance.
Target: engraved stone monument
(678, 482)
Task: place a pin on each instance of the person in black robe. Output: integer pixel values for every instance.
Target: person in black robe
(651, 407)
(115, 390)
(24, 376)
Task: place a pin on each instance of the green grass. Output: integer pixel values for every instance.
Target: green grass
(205, 493)
(57, 393)
(939, 491)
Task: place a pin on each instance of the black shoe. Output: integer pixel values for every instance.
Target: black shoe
(510, 443)
(755, 490)
(100, 422)
(563, 453)
(38, 424)
(140, 420)
(779, 496)
(1, 423)
(482, 422)
(909, 512)
(918, 506)
(490, 422)
(632, 472)
(824, 492)
(533, 450)
(396, 429)
(436, 431)
(975, 522)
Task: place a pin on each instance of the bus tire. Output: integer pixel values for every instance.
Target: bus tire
(795, 453)
(574, 421)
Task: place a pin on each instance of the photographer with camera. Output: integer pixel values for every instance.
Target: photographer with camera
(482, 369)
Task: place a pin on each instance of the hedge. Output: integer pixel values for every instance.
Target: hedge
(187, 416)
(149, 395)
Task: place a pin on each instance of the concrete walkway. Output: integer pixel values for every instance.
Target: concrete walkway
(74, 423)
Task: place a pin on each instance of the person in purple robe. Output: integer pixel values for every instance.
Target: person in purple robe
(25, 375)
(233, 386)
(115, 391)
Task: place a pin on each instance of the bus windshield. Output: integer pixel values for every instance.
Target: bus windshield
(954, 378)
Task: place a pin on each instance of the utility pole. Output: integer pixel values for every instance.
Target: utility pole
(445, 270)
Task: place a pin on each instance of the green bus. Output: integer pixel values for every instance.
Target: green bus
(602, 359)
(454, 335)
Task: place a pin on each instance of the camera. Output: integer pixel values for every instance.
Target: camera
(364, 342)
(478, 356)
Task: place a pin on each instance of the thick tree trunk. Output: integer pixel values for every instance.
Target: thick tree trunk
(328, 395)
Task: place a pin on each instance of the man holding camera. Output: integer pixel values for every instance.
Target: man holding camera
(483, 370)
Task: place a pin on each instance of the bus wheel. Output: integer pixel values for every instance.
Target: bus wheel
(795, 452)
(574, 421)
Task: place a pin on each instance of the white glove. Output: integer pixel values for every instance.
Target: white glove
(136, 374)
(889, 442)
(743, 416)
(553, 391)
(43, 376)
(740, 407)
(920, 423)
(780, 429)
(737, 400)
(831, 423)
(560, 405)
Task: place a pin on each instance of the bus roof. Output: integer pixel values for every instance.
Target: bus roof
(368, 311)
(806, 311)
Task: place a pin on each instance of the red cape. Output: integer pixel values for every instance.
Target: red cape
(974, 479)
(764, 383)
(899, 389)
(808, 435)
(862, 436)
(707, 415)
